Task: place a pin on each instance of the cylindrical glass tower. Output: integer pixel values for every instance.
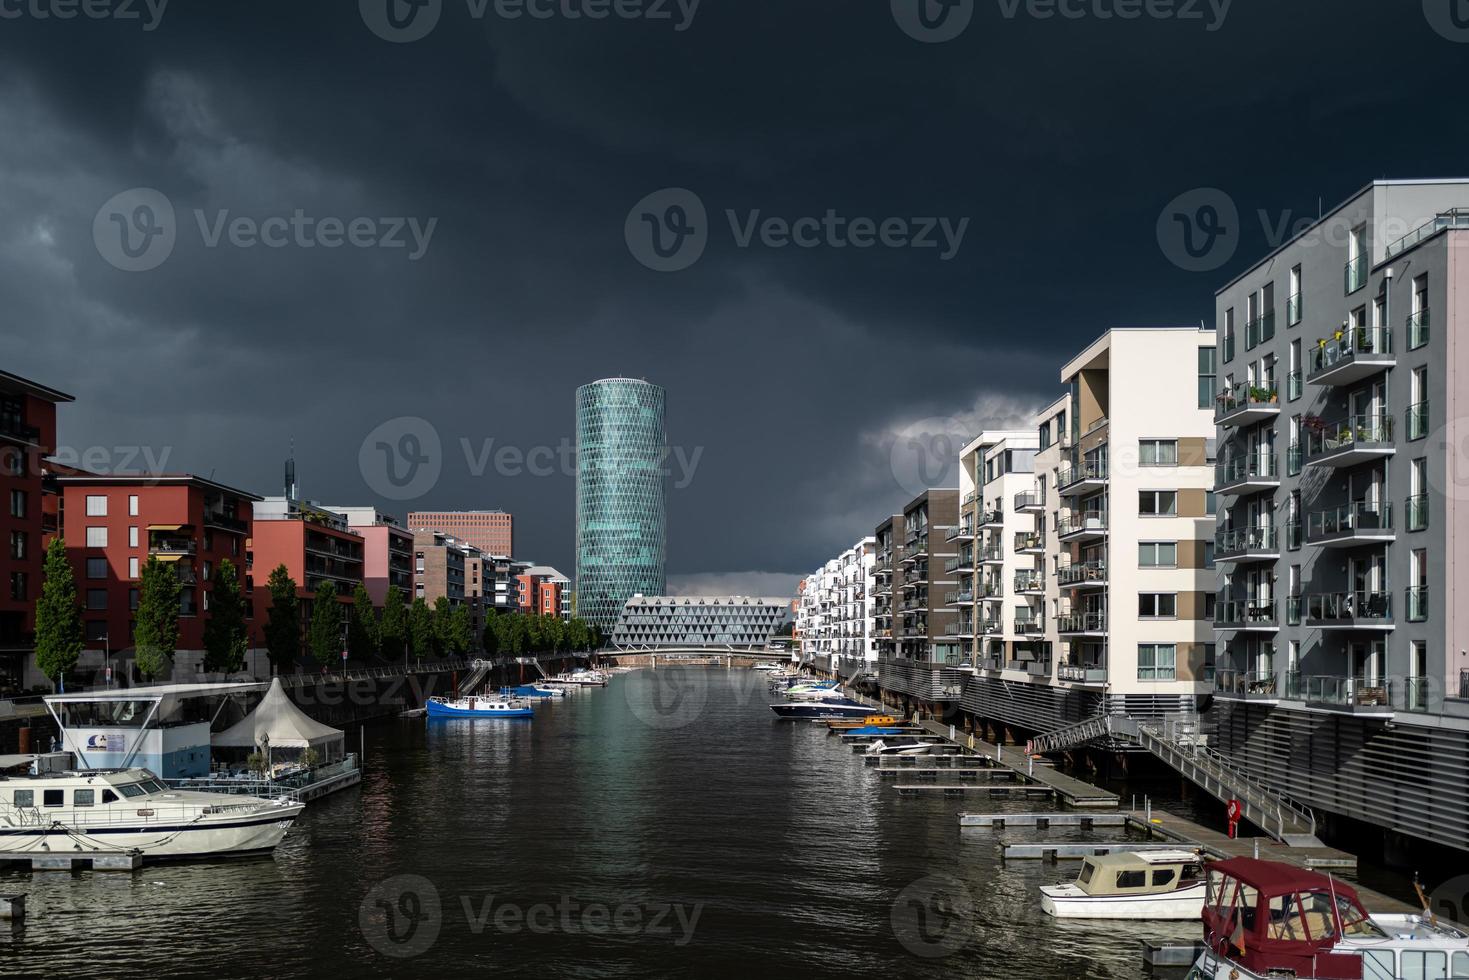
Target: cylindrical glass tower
(621, 496)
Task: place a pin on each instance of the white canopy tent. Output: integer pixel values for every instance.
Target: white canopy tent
(286, 726)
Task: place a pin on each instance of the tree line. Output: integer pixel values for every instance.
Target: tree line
(401, 629)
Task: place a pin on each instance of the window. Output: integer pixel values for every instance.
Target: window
(1228, 335)
(1158, 452)
(96, 537)
(1208, 554)
(96, 506)
(1418, 319)
(1211, 503)
(1157, 554)
(52, 797)
(1424, 964)
(18, 586)
(1163, 877)
(108, 796)
(133, 537)
(96, 630)
(1157, 503)
(83, 797)
(1293, 301)
(17, 503)
(96, 598)
(1357, 259)
(1157, 661)
(1132, 879)
(1086, 873)
(18, 545)
(96, 568)
(133, 567)
(1207, 384)
(1157, 605)
(133, 600)
(132, 505)
(25, 797)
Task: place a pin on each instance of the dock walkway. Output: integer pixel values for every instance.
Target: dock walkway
(1073, 791)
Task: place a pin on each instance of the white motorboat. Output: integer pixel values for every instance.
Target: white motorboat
(116, 811)
(766, 668)
(913, 748)
(1131, 885)
(1265, 919)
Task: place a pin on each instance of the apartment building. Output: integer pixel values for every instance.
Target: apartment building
(885, 596)
(315, 544)
(834, 620)
(491, 531)
(544, 591)
(1343, 675)
(716, 622)
(1001, 560)
(387, 551)
(440, 567)
(114, 524)
(927, 654)
(27, 437)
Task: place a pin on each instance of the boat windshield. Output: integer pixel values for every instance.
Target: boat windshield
(1354, 922)
(131, 790)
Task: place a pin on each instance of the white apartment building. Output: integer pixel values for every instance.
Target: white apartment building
(834, 618)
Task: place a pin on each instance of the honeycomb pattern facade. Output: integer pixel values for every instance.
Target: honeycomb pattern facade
(621, 496)
(742, 622)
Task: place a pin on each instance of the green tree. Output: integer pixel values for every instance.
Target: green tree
(58, 616)
(443, 625)
(226, 638)
(577, 636)
(553, 633)
(156, 632)
(490, 641)
(363, 632)
(393, 627)
(283, 623)
(325, 637)
(460, 633)
(421, 629)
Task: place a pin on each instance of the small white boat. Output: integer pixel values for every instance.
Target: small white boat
(766, 668)
(114, 811)
(1150, 885)
(915, 748)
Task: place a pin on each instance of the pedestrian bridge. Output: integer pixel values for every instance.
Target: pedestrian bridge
(696, 656)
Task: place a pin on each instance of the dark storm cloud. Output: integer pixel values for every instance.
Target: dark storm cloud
(527, 141)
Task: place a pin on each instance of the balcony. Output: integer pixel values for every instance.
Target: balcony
(993, 555)
(962, 597)
(1031, 582)
(1082, 575)
(1356, 695)
(964, 631)
(992, 589)
(225, 522)
(1082, 478)
(1029, 503)
(1350, 355)
(1029, 626)
(1088, 526)
(1259, 330)
(992, 517)
(1250, 473)
(158, 545)
(1351, 525)
(1239, 685)
(1082, 624)
(1029, 543)
(1258, 615)
(1349, 610)
(957, 562)
(1356, 439)
(990, 627)
(963, 531)
(1081, 674)
(1245, 544)
(12, 427)
(1246, 405)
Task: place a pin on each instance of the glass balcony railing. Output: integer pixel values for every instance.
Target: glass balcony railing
(1228, 352)
(1418, 329)
(1029, 541)
(1342, 438)
(1245, 402)
(1454, 218)
(1350, 346)
(1417, 603)
(1081, 573)
(1417, 512)
(1253, 540)
(1293, 606)
(1292, 531)
(1029, 500)
(1082, 673)
(1029, 581)
(961, 530)
(1362, 519)
(1294, 385)
(1259, 330)
(1293, 460)
(1232, 683)
(1090, 470)
(1356, 274)
(1255, 467)
(1293, 307)
(1235, 613)
(1418, 420)
(1092, 622)
(1349, 609)
(1355, 692)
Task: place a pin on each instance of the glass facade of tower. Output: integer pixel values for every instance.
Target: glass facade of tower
(621, 496)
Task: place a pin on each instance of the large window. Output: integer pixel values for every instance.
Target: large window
(96, 537)
(1157, 554)
(17, 545)
(1157, 605)
(1208, 385)
(96, 568)
(1157, 662)
(17, 503)
(1157, 503)
(96, 598)
(1158, 452)
(96, 506)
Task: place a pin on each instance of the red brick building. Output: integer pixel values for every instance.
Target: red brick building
(27, 436)
(113, 524)
(491, 531)
(315, 544)
(542, 590)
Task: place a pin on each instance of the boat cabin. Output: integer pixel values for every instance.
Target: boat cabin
(1267, 916)
(1140, 872)
(58, 791)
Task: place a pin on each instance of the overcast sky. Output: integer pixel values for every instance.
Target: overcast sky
(477, 205)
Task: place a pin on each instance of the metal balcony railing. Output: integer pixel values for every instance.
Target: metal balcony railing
(1254, 467)
(1087, 470)
(1348, 608)
(1246, 398)
(1356, 431)
(1081, 573)
(1093, 622)
(1349, 520)
(1346, 346)
(1231, 542)
(1029, 581)
(1246, 684)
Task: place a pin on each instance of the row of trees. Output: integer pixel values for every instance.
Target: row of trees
(399, 629)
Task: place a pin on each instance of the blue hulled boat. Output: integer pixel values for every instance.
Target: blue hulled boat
(478, 708)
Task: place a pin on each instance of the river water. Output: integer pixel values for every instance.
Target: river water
(666, 826)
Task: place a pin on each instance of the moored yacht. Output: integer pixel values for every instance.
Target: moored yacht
(117, 811)
(475, 707)
(1266, 919)
(1131, 885)
(821, 708)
